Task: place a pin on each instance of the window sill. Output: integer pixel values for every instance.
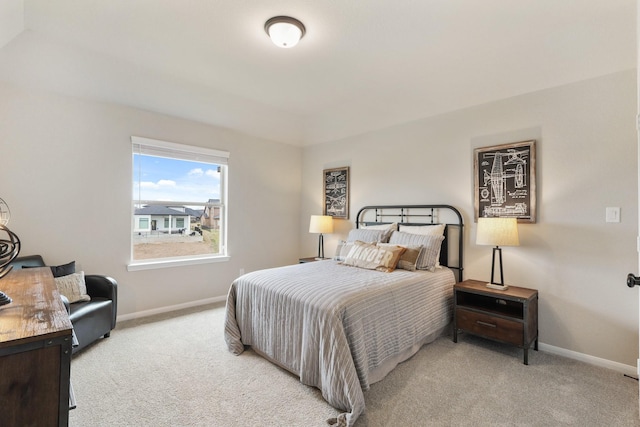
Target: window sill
(166, 263)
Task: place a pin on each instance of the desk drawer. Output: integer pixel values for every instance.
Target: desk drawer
(490, 326)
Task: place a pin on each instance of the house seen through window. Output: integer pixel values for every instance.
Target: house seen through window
(178, 203)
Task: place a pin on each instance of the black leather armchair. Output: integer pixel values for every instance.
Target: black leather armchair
(93, 319)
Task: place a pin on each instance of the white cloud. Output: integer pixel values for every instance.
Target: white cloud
(163, 183)
(148, 184)
(196, 172)
(213, 173)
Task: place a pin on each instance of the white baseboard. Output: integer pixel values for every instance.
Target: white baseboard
(145, 313)
(592, 360)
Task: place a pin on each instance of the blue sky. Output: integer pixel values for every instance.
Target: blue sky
(159, 178)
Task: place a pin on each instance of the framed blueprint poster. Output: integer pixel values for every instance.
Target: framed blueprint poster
(335, 190)
(505, 181)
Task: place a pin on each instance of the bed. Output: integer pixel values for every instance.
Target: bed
(340, 326)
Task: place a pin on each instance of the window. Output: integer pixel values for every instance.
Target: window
(143, 224)
(178, 204)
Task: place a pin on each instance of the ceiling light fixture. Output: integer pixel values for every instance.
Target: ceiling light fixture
(284, 31)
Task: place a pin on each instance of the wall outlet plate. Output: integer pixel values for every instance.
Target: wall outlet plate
(612, 215)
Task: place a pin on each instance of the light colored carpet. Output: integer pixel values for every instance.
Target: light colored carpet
(174, 370)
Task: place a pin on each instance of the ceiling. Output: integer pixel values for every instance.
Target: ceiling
(362, 65)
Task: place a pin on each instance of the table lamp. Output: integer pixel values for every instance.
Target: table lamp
(322, 224)
(498, 232)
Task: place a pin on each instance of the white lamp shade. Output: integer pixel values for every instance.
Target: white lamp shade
(284, 31)
(497, 232)
(322, 224)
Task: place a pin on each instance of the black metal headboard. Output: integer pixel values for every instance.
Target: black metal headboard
(451, 253)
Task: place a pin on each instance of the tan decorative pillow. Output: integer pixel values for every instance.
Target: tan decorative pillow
(73, 287)
(372, 257)
(409, 258)
(342, 250)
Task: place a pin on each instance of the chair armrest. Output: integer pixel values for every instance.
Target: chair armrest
(65, 301)
(28, 261)
(103, 287)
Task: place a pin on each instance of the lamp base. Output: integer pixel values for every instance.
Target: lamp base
(497, 287)
(4, 298)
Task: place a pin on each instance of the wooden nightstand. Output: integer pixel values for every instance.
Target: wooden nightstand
(509, 316)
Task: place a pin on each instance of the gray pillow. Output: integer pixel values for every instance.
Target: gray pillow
(63, 270)
(428, 258)
(368, 235)
(58, 270)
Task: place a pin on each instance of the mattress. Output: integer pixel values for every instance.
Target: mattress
(337, 328)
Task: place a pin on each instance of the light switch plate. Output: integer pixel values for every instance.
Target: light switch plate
(612, 215)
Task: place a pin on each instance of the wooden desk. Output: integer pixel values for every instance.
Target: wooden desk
(35, 351)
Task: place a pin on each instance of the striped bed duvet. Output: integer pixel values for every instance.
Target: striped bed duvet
(338, 328)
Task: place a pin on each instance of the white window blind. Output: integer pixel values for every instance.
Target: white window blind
(154, 147)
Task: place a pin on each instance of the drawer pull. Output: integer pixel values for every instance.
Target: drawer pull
(491, 325)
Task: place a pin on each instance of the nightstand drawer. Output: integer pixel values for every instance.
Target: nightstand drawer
(490, 326)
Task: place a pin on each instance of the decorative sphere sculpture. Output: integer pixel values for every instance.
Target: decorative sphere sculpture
(9, 250)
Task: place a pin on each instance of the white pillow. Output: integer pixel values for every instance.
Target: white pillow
(73, 287)
(425, 230)
(393, 226)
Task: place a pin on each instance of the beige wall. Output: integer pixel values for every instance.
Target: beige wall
(65, 172)
(586, 153)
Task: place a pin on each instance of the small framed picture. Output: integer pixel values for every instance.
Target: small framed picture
(335, 191)
(505, 181)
